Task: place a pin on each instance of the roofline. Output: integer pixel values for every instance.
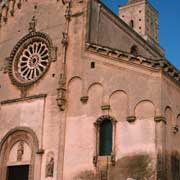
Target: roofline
(154, 64)
(132, 31)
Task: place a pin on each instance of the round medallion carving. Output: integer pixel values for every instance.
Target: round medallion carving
(30, 59)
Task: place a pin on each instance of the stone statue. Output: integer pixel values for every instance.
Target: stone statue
(20, 151)
(50, 168)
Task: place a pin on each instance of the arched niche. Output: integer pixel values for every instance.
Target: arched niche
(18, 148)
(169, 116)
(145, 110)
(95, 94)
(74, 94)
(119, 105)
(49, 165)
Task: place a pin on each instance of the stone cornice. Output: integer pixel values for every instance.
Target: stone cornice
(9, 101)
(159, 65)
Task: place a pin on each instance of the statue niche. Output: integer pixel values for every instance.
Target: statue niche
(20, 151)
(50, 165)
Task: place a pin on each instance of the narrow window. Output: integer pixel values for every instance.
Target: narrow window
(134, 50)
(105, 135)
(131, 23)
(92, 65)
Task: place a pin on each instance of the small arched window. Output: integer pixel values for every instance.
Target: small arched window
(105, 138)
(131, 23)
(134, 50)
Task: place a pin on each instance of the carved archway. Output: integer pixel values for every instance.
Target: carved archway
(14, 136)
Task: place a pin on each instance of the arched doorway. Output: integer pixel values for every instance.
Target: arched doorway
(19, 161)
(17, 155)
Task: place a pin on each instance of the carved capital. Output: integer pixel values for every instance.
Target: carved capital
(84, 99)
(40, 151)
(159, 119)
(131, 119)
(105, 107)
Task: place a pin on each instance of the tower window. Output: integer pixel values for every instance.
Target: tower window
(92, 65)
(134, 50)
(105, 135)
(131, 24)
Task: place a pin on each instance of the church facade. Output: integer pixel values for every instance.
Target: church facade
(85, 94)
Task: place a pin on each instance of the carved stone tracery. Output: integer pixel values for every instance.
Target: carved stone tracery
(30, 59)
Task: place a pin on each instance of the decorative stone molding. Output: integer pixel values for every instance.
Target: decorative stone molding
(105, 107)
(159, 119)
(84, 99)
(156, 64)
(131, 119)
(102, 118)
(23, 99)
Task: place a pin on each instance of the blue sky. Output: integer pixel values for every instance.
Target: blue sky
(169, 25)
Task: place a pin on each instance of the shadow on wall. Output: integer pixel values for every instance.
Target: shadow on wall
(138, 167)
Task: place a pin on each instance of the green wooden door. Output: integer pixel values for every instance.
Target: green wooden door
(105, 138)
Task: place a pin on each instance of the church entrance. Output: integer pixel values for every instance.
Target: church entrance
(18, 172)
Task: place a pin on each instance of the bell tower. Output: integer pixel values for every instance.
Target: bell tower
(142, 17)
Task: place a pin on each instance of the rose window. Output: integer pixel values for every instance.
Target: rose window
(30, 59)
(33, 61)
